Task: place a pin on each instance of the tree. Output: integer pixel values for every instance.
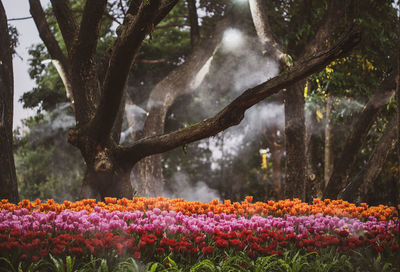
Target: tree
(8, 181)
(97, 104)
(295, 129)
(285, 32)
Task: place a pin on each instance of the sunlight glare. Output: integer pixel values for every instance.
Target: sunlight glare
(232, 39)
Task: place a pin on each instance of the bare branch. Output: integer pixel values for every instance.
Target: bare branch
(131, 35)
(19, 19)
(121, 5)
(65, 19)
(170, 25)
(233, 113)
(147, 61)
(45, 33)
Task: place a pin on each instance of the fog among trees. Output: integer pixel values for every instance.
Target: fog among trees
(205, 99)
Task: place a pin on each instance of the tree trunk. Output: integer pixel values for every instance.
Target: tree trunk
(295, 180)
(378, 158)
(344, 163)
(107, 174)
(8, 180)
(370, 172)
(276, 155)
(148, 171)
(328, 161)
(274, 144)
(314, 182)
(194, 23)
(96, 184)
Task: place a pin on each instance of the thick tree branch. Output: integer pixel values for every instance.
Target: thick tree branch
(89, 29)
(46, 35)
(134, 7)
(59, 59)
(66, 21)
(165, 8)
(233, 113)
(84, 75)
(343, 164)
(324, 34)
(373, 168)
(124, 51)
(264, 31)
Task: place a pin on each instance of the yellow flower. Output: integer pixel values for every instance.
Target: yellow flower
(319, 115)
(328, 70)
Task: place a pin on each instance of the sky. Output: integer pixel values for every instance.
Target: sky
(28, 35)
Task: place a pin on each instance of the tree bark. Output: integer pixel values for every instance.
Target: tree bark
(344, 163)
(273, 143)
(194, 23)
(328, 162)
(66, 21)
(364, 180)
(8, 180)
(295, 180)
(96, 184)
(314, 182)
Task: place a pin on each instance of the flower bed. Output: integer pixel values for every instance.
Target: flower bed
(156, 230)
(246, 208)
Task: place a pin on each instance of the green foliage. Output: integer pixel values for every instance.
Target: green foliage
(7, 266)
(328, 260)
(49, 90)
(169, 44)
(47, 166)
(13, 32)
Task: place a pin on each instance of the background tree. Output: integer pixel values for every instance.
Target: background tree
(280, 22)
(8, 181)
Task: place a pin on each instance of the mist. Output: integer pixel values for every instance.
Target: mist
(182, 187)
(53, 122)
(239, 65)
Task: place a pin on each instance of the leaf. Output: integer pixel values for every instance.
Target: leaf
(153, 267)
(7, 261)
(58, 264)
(70, 263)
(127, 265)
(172, 263)
(103, 266)
(205, 264)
